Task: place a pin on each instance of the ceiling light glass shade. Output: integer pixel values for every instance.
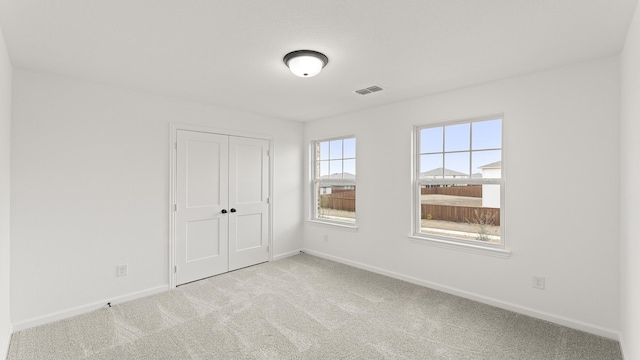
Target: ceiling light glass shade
(305, 63)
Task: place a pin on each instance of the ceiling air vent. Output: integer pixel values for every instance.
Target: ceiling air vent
(369, 90)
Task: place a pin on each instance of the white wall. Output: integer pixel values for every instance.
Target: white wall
(630, 193)
(5, 151)
(563, 227)
(89, 175)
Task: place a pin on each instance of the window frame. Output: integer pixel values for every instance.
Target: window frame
(500, 249)
(316, 181)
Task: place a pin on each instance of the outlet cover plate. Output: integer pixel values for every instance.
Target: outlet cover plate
(121, 270)
(537, 282)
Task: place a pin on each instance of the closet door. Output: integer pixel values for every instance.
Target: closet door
(202, 194)
(248, 202)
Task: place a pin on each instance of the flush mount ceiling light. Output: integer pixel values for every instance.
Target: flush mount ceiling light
(305, 63)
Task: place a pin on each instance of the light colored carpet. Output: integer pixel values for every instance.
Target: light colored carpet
(305, 307)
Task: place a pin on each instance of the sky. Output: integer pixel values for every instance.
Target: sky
(461, 147)
(458, 147)
(338, 156)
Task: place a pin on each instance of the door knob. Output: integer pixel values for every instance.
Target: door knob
(224, 211)
(233, 210)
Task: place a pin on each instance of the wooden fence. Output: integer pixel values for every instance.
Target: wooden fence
(469, 190)
(344, 200)
(460, 214)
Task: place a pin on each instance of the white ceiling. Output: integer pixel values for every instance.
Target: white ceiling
(229, 52)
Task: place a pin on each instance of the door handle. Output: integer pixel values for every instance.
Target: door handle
(224, 211)
(233, 210)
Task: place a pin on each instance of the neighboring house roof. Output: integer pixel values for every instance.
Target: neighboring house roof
(493, 165)
(337, 179)
(339, 176)
(447, 172)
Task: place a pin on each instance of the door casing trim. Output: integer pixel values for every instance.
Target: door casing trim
(173, 131)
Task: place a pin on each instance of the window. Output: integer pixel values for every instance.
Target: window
(334, 180)
(458, 182)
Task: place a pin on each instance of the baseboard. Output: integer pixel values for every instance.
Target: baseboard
(622, 345)
(557, 319)
(286, 255)
(6, 350)
(79, 310)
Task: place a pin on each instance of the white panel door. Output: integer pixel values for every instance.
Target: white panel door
(202, 199)
(248, 202)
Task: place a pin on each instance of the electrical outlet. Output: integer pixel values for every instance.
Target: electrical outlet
(326, 237)
(121, 270)
(537, 282)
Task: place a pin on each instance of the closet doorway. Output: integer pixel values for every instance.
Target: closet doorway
(221, 206)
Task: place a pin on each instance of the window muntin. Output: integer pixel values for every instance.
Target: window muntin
(459, 183)
(334, 180)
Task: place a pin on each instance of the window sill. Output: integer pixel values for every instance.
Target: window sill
(499, 253)
(345, 226)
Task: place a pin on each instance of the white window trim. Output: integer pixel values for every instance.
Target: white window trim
(339, 224)
(499, 253)
(497, 250)
(314, 181)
